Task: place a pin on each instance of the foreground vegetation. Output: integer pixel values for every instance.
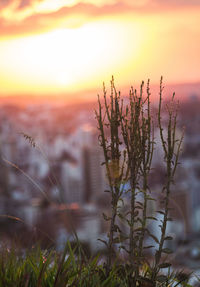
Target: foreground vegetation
(126, 135)
(39, 268)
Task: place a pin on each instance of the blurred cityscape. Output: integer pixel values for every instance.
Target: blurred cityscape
(52, 182)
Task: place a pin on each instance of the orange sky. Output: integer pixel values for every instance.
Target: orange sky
(58, 46)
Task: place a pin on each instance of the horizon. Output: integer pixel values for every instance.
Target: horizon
(67, 48)
(183, 91)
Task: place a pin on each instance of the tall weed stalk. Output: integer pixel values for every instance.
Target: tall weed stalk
(172, 148)
(108, 118)
(132, 127)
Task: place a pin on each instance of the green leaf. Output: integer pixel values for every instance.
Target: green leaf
(106, 218)
(152, 218)
(116, 240)
(128, 221)
(136, 213)
(161, 278)
(116, 228)
(154, 237)
(139, 219)
(164, 265)
(161, 212)
(121, 216)
(150, 198)
(168, 238)
(139, 207)
(95, 260)
(167, 251)
(123, 238)
(107, 281)
(169, 219)
(139, 229)
(140, 203)
(123, 247)
(150, 246)
(103, 241)
(71, 252)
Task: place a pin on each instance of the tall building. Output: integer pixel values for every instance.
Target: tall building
(94, 178)
(71, 180)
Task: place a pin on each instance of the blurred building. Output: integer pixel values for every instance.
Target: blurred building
(94, 179)
(72, 182)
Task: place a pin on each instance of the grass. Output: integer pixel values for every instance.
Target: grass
(38, 268)
(49, 268)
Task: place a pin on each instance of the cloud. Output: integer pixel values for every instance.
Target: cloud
(159, 4)
(66, 16)
(24, 4)
(23, 17)
(57, 4)
(179, 2)
(4, 3)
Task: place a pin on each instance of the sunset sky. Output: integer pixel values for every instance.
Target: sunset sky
(65, 46)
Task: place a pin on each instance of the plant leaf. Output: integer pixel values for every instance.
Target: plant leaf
(103, 241)
(150, 246)
(161, 278)
(168, 238)
(167, 251)
(106, 217)
(164, 265)
(152, 217)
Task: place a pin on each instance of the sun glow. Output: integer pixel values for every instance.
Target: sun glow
(71, 47)
(69, 58)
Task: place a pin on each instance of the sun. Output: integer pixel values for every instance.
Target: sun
(63, 79)
(70, 58)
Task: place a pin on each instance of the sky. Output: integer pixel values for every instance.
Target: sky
(70, 46)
